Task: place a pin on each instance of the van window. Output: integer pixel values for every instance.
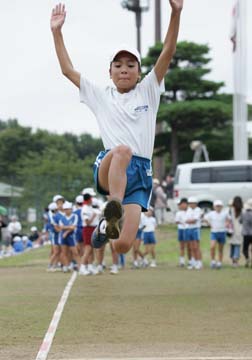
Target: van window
(230, 174)
(176, 179)
(200, 176)
(221, 174)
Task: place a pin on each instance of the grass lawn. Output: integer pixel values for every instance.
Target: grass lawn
(167, 311)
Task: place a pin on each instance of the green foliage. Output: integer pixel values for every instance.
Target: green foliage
(45, 163)
(191, 107)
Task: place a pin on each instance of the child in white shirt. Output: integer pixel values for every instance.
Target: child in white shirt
(217, 219)
(149, 226)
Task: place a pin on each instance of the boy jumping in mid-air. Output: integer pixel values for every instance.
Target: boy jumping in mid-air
(126, 115)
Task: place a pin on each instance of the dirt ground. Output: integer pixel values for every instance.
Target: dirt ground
(167, 312)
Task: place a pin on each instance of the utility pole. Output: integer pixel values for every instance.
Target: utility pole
(137, 6)
(240, 110)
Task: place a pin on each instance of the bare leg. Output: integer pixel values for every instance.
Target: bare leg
(212, 249)
(132, 214)
(112, 172)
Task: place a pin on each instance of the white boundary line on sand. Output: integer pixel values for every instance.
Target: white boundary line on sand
(48, 339)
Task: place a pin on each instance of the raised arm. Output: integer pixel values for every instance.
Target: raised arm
(169, 47)
(57, 20)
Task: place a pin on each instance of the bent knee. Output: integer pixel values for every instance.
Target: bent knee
(121, 247)
(123, 151)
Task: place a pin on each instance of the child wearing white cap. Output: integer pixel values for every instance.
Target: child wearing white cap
(149, 239)
(180, 220)
(192, 233)
(217, 219)
(126, 115)
(68, 226)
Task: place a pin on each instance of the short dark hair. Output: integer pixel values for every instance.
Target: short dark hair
(87, 197)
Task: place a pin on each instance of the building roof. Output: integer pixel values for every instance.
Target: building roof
(8, 191)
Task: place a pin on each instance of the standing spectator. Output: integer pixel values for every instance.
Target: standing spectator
(180, 219)
(79, 232)
(246, 221)
(68, 226)
(160, 202)
(236, 235)
(90, 220)
(217, 219)
(14, 227)
(149, 239)
(193, 220)
(136, 245)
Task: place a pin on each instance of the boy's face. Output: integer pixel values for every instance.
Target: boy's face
(193, 205)
(218, 208)
(68, 212)
(183, 206)
(124, 71)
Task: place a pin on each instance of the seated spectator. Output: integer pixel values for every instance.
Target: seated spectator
(27, 242)
(18, 245)
(34, 236)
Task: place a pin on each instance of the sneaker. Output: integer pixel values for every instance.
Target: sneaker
(66, 269)
(100, 269)
(218, 265)
(198, 265)
(135, 265)
(84, 271)
(51, 269)
(213, 264)
(114, 270)
(99, 237)
(113, 213)
(153, 264)
(145, 262)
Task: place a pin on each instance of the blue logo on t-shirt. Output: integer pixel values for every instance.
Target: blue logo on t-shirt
(141, 108)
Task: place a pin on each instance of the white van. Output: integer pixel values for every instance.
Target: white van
(212, 180)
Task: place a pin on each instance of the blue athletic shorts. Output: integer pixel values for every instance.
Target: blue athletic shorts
(139, 180)
(139, 235)
(219, 236)
(68, 240)
(149, 238)
(235, 251)
(192, 234)
(78, 235)
(54, 237)
(182, 235)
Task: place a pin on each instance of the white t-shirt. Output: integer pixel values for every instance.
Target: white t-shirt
(87, 212)
(194, 214)
(149, 223)
(128, 118)
(180, 219)
(217, 220)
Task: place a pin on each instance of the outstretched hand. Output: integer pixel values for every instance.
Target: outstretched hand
(176, 5)
(58, 17)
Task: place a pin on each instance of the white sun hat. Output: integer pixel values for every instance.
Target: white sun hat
(52, 206)
(58, 197)
(90, 191)
(127, 48)
(192, 200)
(79, 199)
(218, 203)
(67, 205)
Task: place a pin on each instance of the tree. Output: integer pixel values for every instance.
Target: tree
(191, 105)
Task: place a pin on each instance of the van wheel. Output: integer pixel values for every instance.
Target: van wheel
(206, 206)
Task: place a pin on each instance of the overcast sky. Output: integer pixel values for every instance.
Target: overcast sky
(32, 88)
